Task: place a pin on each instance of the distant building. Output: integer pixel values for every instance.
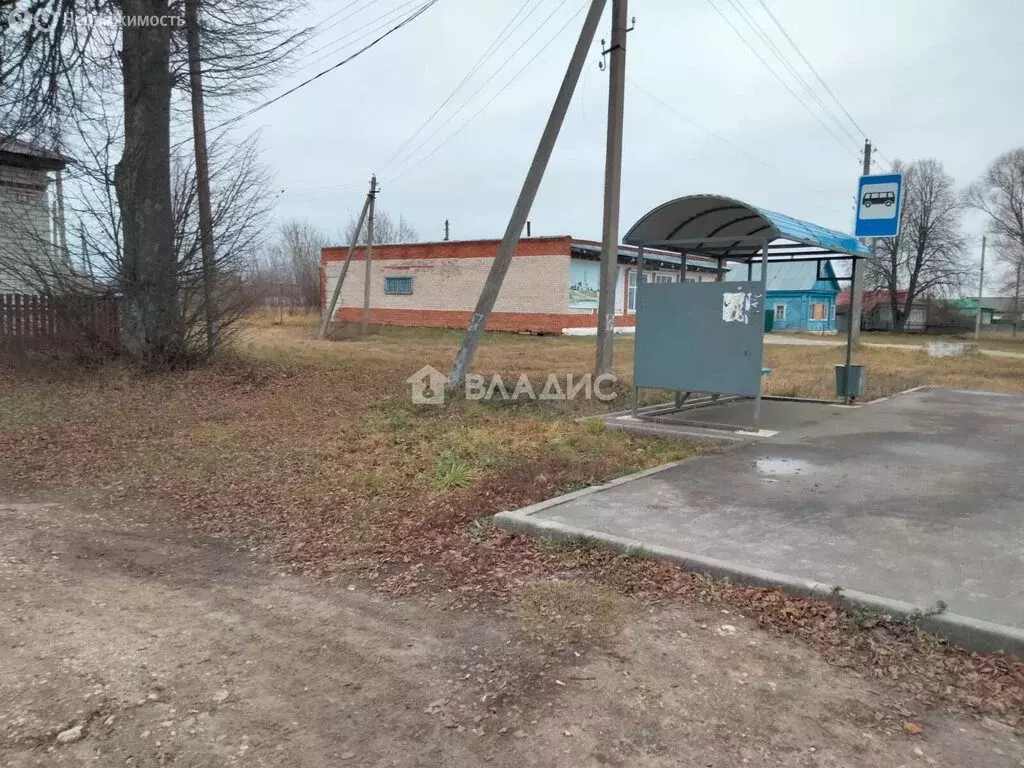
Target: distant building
(28, 227)
(876, 312)
(551, 285)
(1007, 309)
(800, 297)
(968, 308)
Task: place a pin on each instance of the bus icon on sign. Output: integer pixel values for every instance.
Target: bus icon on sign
(888, 199)
(878, 200)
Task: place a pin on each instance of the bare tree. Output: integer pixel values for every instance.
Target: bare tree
(927, 257)
(295, 258)
(52, 65)
(242, 203)
(999, 193)
(386, 229)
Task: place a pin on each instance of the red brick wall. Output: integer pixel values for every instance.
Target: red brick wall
(499, 321)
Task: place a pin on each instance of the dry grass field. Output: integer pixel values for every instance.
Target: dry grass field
(312, 454)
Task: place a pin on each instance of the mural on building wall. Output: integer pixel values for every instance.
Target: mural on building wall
(585, 286)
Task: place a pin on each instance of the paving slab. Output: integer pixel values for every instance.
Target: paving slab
(919, 498)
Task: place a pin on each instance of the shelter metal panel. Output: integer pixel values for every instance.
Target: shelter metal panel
(700, 337)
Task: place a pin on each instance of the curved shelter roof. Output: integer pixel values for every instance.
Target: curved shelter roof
(725, 228)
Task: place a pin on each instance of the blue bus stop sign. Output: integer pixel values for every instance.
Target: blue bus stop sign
(879, 199)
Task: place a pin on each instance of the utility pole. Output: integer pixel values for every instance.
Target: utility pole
(447, 230)
(325, 321)
(612, 189)
(528, 193)
(857, 276)
(981, 289)
(364, 326)
(1016, 302)
(193, 36)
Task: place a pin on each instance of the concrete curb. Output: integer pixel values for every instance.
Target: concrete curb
(975, 634)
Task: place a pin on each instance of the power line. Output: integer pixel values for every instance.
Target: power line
(386, 17)
(336, 13)
(489, 80)
(488, 52)
(500, 91)
(813, 70)
(758, 30)
(717, 137)
(408, 20)
(778, 77)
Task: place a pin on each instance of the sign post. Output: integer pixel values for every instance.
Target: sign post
(879, 200)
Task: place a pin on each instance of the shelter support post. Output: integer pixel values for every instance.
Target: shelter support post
(636, 310)
(764, 302)
(853, 320)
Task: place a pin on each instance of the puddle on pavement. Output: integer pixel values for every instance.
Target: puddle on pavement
(783, 467)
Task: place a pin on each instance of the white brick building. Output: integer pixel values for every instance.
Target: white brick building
(550, 287)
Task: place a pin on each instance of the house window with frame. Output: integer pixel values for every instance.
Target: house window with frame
(780, 313)
(663, 278)
(832, 312)
(819, 312)
(398, 286)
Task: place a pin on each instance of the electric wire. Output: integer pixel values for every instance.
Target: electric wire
(505, 87)
(778, 77)
(484, 57)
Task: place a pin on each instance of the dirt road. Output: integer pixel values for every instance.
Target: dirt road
(174, 649)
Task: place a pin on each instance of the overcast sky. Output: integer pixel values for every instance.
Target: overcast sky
(937, 78)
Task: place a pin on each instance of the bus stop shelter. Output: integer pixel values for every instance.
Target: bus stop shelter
(708, 338)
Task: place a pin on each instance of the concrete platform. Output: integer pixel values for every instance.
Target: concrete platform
(916, 499)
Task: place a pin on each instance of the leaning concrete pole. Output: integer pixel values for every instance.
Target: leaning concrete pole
(328, 317)
(507, 249)
(612, 190)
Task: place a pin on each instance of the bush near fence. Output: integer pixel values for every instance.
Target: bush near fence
(73, 324)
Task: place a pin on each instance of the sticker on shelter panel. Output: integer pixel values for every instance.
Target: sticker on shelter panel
(737, 307)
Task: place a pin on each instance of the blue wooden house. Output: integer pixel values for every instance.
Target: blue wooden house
(797, 299)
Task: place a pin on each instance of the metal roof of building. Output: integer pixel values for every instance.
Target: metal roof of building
(20, 154)
(785, 276)
(629, 253)
(723, 227)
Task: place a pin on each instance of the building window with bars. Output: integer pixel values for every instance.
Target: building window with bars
(398, 286)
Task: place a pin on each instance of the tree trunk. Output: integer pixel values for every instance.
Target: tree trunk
(152, 322)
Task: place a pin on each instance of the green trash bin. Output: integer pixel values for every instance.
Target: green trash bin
(769, 322)
(855, 386)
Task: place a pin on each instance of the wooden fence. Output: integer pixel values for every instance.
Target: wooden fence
(71, 323)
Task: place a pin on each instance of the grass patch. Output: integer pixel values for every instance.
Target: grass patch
(571, 613)
(451, 473)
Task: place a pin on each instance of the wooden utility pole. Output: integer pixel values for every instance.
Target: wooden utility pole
(612, 189)
(364, 325)
(328, 317)
(195, 71)
(981, 289)
(528, 193)
(857, 276)
(447, 230)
